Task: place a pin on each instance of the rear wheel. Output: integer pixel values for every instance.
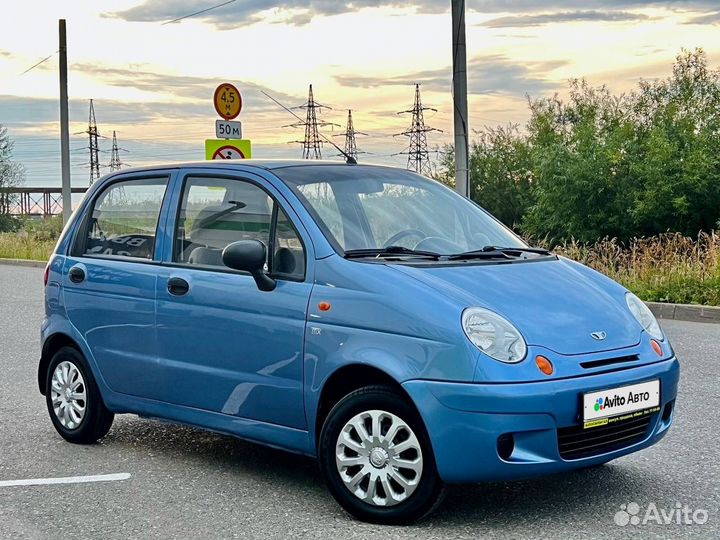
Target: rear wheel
(377, 459)
(73, 399)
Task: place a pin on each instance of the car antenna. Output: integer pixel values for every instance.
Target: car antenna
(348, 158)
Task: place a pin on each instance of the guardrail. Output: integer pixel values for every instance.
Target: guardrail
(33, 201)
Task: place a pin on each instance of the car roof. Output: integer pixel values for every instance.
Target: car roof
(240, 164)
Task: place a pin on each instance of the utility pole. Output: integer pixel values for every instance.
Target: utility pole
(418, 154)
(115, 163)
(92, 132)
(64, 126)
(350, 144)
(311, 144)
(460, 101)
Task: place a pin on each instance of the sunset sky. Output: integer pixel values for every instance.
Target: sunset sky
(153, 82)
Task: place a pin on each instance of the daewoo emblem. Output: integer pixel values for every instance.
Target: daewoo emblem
(599, 335)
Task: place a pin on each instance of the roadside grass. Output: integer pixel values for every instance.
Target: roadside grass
(23, 245)
(665, 268)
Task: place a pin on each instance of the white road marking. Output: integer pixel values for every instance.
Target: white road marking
(65, 480)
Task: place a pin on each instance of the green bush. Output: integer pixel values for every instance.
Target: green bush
(599, 165)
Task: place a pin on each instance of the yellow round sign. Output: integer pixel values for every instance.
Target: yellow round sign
(227, 101)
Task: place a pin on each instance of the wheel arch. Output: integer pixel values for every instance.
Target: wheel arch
(52, 345)
(346, 379)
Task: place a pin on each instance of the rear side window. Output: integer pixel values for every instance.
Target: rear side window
(124, 218)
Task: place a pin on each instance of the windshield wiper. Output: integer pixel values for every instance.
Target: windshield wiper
(389, 252)
(492, 252)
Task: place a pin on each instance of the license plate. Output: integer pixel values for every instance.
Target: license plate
(620, 403)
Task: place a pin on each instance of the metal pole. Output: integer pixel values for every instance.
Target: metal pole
(64, 127)
(460, 103)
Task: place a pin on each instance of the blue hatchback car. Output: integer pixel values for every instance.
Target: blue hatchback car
(364, 315)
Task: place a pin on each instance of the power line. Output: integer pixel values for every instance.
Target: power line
(198, 12)
(48, 57)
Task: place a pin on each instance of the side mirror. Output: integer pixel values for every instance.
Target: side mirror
(249, 256)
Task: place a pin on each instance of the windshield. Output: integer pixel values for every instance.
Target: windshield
(373, 208)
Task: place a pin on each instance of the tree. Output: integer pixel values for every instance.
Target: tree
(596, 164)
(580, 162)
(677, 149)
(12, 174)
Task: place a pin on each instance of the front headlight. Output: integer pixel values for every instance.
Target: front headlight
(493, 335)
(644, 316)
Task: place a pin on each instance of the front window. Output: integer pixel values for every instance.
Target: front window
(215, 212)
(364, 208)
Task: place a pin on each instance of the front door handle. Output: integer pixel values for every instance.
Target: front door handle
(76, 274)
(178, 286)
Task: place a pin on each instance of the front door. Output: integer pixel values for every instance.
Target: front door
(225, 346)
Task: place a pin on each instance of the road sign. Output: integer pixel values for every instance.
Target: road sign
(227, 101)
(226, 129)
(228, 149)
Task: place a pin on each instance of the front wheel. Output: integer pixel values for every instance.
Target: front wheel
(377, 459)
(73, 399)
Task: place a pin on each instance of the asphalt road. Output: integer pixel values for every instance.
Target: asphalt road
(186, 483)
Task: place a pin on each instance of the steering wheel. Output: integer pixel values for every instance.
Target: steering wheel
(392, 241)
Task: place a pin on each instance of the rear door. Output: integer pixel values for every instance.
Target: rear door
(109, 282)
(224, 345)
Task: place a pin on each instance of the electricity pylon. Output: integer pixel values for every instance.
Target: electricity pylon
(418, 155)
(350, 144)
(92, 132)
(312, 144)
(115, 163)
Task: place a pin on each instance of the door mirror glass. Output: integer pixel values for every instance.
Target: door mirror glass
(249, 256)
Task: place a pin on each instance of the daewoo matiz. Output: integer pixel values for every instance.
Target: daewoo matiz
(364, 315)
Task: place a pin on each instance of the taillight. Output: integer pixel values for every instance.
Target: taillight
(47, 274)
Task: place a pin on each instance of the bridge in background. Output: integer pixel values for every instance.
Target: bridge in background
(34, 201)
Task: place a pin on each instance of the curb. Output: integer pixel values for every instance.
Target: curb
(685, 312)
(662, 310)
(24, 262)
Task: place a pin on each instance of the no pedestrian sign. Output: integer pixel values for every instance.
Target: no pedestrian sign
(228, 149)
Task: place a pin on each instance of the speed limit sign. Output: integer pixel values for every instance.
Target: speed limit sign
(227, 101)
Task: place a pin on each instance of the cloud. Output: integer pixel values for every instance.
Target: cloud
(299, 12)
(518, 21)
(182, 86)
(492, 74)
(27, 110)
(709, 18)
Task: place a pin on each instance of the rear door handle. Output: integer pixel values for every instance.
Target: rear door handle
(76, 274)
(178, 286)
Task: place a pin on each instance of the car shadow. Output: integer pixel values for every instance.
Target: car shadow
(560, 498)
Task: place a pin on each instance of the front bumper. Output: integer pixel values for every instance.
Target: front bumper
(465, 421)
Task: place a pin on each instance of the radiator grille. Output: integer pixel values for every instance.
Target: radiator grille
(575, 442)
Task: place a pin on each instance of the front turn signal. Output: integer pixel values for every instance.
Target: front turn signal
(656, 347)
(544, 365)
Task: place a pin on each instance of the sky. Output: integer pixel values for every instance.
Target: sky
(152, 80)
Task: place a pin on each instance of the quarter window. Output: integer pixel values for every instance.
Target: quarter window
(124, 219)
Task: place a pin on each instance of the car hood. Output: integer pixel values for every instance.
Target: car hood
(555, 303)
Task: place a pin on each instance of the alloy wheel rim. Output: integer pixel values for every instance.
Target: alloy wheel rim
(379, 458)
(68, 394)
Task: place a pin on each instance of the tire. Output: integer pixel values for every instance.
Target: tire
(73, 399)
(384, 501)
